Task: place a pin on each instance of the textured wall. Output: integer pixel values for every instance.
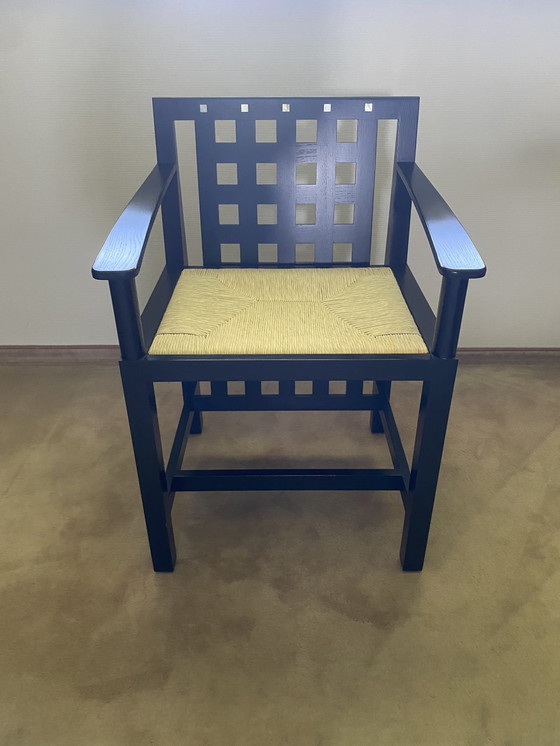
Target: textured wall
(77, 78)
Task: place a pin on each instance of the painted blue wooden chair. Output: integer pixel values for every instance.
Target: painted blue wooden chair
(286, 292)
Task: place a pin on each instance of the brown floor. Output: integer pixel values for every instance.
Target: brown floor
(287, 620)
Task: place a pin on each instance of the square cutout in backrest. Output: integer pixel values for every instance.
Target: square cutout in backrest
(265, 130)
(337, 387)
(236, 388)
(305, 252)
(303, 387)
(343, 213)
(345, 173)
(226, 173)
(306, 174)
(228, 214)
(342, 252)
(267, 173)
(224, 130)
(268, 253)
(230, 253)
(270, 388)
(267, 214)
(306, 130)
(347, 130)
(306, 214)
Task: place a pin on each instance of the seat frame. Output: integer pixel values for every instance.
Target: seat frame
(120, 261)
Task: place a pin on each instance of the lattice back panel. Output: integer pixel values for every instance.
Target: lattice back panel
(286, 181)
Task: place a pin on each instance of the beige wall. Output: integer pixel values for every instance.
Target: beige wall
(77, 78)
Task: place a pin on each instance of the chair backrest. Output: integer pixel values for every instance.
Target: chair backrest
(286, 181)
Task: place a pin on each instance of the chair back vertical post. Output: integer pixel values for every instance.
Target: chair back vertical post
(172, 204)
(398, 229)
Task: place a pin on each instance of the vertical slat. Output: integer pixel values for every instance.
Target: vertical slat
(286, 388)
(245, 155)
(285, 191)
(354, 388)
(219, 388)
(365, 157)
(321, 388)
(253, 388)
(323, 193)
(206, 157)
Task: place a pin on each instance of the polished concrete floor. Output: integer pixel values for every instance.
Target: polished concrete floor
(288, 620)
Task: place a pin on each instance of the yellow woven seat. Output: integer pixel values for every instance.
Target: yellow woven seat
(287, 311)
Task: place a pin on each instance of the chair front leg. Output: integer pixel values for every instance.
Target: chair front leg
(144, 429)
(430, 436)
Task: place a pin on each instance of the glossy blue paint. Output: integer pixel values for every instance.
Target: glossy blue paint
(121, 257)
(122, 252)
(286, 152)
(453, 250)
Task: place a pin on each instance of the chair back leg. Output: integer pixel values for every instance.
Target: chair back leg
(375, 424)
(197, 422)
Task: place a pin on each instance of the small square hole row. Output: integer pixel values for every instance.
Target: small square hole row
(306, 173)
(265, 130)
(285, 107)
(306, 214)
(230, 253)
(272, 388)
(267, 173)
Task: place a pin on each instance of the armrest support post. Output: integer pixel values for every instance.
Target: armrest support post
(450, 313)
(127, 318)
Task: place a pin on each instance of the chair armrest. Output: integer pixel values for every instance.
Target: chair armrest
(453, 250)
(122, 252)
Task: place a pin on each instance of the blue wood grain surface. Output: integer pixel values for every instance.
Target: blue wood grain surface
(122, 252)
(453, 250)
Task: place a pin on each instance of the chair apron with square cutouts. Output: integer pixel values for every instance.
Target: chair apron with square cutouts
(286, 291)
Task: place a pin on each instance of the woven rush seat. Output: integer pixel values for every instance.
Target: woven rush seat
(287, 311)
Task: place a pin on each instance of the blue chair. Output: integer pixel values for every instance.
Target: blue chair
(286, 292)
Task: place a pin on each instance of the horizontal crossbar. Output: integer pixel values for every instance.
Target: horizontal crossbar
(202, 480)
(294, 368)
(283, 402)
